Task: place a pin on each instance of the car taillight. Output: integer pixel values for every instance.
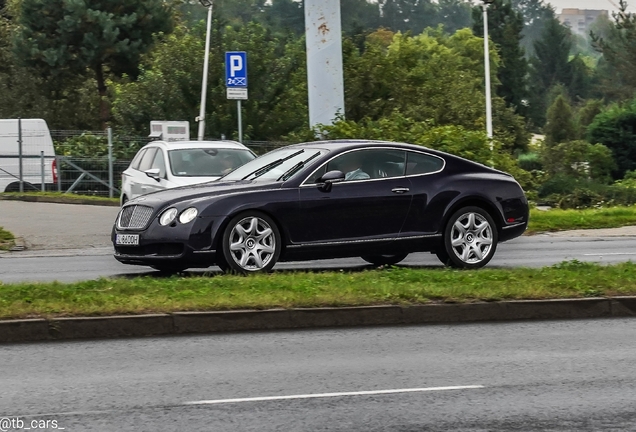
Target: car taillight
(54, 170)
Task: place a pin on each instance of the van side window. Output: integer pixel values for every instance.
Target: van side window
(135, 162)
(419, 163)
(149, 157)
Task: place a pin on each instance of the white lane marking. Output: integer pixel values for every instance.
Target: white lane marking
(611, 253)
(327, 395)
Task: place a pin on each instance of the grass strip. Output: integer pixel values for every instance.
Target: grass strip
(402, 286)
(60, 197)
(6, 239)
(560, 220)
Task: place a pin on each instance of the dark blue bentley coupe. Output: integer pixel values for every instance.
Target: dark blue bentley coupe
(328, 199)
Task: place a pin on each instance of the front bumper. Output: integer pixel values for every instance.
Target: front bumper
(189, 245)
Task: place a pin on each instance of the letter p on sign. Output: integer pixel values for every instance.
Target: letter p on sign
(236, 69)
(236, 65)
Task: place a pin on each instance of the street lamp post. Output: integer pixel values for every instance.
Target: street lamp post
(204, 84)
(487, 73)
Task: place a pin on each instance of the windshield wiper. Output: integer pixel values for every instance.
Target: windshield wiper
(293, 170)
(270, 166)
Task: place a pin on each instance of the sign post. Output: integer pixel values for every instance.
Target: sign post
(236, 82)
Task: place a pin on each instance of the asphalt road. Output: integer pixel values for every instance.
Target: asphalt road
(71, 243)
(558, 376)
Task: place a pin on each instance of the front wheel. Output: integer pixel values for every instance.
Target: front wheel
(379, 260)
(470, 239)
(251, 243)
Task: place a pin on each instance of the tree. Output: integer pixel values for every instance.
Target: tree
(454, 14)
(618, 46)
(505, 26)
(549, 67)
(616, 129)
(535, 16)
(63, 39)
(561, 126)
(578, 159)
(169, 85)
(285, 15)
(408, 15)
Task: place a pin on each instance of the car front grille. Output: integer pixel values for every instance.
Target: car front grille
(134, 217)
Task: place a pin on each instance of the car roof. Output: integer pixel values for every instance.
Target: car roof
(346, 144)
(180, 145)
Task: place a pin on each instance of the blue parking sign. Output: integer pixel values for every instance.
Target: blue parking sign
(236, 69)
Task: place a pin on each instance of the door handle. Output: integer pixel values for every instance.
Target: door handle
(400, 190)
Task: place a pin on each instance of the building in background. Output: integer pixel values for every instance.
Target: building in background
(580, 20)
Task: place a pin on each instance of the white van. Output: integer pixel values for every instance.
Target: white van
(36, 139)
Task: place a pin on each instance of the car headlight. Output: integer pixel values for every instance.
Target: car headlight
(168, 216)
(188, 215)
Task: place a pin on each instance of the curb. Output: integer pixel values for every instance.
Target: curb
(31, 330)
(58, 200)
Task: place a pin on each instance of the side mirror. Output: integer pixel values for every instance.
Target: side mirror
(153, 173)
(328, 179)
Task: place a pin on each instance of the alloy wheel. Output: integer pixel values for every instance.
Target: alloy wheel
(471, 238)
(252, 244)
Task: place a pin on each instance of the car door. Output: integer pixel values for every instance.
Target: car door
(425, 171)
(368, 206)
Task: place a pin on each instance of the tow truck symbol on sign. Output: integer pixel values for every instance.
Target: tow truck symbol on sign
(236, 69)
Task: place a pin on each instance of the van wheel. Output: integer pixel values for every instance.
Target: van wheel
(15, 187)
(124, 200)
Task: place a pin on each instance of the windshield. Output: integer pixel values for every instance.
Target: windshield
(207, 162)
(277, 165)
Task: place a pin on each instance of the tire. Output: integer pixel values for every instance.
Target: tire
(379, 260)
(221, 263)
(470, 239)
(169, 269)
(124, 200)
(251, 243)
(15, 187)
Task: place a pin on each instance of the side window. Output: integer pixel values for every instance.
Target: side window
(419, 163)
(160, 162)
(149, 157)
(370, 164)
(365, 164)
(135, 162)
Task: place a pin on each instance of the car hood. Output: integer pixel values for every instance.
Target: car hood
(187, 181)
(201, 191)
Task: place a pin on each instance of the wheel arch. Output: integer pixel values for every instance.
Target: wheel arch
(475, 201)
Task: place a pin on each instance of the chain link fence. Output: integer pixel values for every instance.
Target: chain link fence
(69, 161)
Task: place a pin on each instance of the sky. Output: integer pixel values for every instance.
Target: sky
(590, 4)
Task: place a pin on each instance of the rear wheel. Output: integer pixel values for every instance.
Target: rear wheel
(470, 239)
(251, 243)
(384, 259)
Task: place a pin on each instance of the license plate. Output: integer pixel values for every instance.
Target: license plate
(127, 239)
